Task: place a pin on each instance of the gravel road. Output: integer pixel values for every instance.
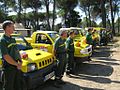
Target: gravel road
(102, 73)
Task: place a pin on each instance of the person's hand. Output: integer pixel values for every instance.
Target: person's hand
(19, 66)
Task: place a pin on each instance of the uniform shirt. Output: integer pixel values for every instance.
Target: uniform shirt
(70, 45)
(89, 38)
(9, 46)
(59, 45)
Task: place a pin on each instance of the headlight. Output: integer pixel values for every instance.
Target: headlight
(31, 67)
(84, 51)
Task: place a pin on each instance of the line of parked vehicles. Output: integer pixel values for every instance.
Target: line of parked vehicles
(36, 52)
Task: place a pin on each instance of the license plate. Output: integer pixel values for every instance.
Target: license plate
(50, 75)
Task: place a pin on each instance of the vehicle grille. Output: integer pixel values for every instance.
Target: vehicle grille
(89, 50)
(45, 62)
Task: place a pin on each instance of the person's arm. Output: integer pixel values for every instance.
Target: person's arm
(9, 60)
(55, 46)
(67, 45)
(5, 54)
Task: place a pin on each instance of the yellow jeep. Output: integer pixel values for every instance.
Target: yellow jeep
(38, 66)
(103, 35)
(95, 35)
(44, 40)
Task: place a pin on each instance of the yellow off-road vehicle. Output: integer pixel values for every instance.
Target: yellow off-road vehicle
(105, 35)
(95, 35)
(44, 40)
(80, 41)
(101, 36)
(38, 66)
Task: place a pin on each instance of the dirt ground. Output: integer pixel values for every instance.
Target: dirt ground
(102, 73)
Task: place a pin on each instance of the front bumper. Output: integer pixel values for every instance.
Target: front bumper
(33, 79)
(86, 52)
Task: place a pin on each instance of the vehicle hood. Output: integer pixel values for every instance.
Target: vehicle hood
(35, 55)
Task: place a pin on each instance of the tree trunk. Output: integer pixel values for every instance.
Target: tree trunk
(36, 19)
(118, 23)
(89, 15)
(25, 21)
(19, 12)
(108, 21)
(103, 10)
(53, 24)
(86, 17)
(47, 14)
(112, 18)
(65, 18)
(5, 7)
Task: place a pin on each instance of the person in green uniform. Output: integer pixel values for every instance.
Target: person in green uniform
(11, 58)
(89, 36)
(59, 50)
(89, 40)
(70, 53)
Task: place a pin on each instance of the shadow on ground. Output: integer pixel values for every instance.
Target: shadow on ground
(93, 69)
(103, 51)
(96, 79)
(97, 71)
(109, 62)
(68, 86)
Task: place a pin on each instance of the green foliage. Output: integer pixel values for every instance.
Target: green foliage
(72, 19)
(2, 16)
(84, 23)
(65, 7)
(67, 4)
(34, 4)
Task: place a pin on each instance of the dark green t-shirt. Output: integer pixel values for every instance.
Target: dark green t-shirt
(9, 46)
(70, 45)
(89, 38)
(59, 45)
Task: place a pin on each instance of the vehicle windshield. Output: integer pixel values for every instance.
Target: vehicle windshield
(22, 44)
(53, 35)
(78, 31)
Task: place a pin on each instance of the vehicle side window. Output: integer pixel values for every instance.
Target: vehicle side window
(41, 38)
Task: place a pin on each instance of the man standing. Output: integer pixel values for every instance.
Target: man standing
(70, 51)
(89, 36)
(59, 50)
(89, 40)
(11, 58)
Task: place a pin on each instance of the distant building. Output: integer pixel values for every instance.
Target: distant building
(19, 28)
